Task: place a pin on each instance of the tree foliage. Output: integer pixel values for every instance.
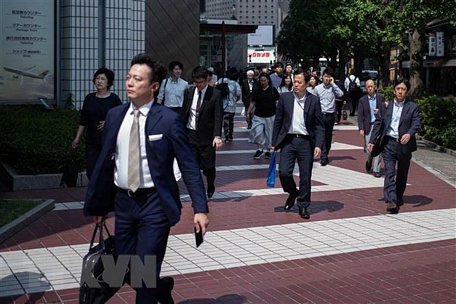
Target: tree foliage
(368, 28)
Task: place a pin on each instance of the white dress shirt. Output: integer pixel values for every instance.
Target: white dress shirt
(122, 148)
(298, 125)
(397, 112)
(192, 120)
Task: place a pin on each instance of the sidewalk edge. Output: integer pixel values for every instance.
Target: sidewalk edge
(24, 220)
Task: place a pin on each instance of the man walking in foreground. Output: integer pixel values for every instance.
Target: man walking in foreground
(134, 174)
(299, 135)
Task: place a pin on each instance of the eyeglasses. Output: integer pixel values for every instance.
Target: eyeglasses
(101, 78)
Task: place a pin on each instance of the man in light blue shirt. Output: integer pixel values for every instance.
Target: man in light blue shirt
(172, 89)
(327, 92)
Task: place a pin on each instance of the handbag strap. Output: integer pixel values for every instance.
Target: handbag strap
(99, 228)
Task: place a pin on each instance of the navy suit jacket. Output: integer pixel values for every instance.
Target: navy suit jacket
(409, 123)
(364, 112)
(160, 156)
(313, 119)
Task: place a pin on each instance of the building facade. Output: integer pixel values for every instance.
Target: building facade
(94, 34)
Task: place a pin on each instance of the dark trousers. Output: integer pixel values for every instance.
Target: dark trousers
(228, 124)
(301, 149)
(339, 105)
(204, 155)
(354, 99)
(395, 181)
(142, 228)
(328, 119)
(92, 152)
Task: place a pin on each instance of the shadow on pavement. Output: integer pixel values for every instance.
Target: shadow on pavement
(316, 207)
(417, 200)
(230, 298)
(28, 280)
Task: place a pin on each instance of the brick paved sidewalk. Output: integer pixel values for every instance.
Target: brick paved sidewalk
(411, 258)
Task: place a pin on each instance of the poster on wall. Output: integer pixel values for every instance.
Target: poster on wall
(27, 52)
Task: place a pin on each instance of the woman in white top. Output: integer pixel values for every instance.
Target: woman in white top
(286, 85)
(313, 82)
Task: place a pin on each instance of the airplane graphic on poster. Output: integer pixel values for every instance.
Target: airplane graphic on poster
(27, 72)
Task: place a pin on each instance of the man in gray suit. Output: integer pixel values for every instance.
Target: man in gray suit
(299, 133)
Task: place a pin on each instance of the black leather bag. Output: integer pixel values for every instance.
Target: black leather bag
(92, 269)
(378, 142)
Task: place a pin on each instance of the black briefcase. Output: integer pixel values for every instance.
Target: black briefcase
(93, 289)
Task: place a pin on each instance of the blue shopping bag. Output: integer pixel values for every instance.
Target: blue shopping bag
(271, 171)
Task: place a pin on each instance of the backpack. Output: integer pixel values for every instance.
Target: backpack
(223, 88)
(352, 86)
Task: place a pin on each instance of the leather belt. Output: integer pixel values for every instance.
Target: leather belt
(393, 139)
(298, 135)
(328, 113)
(138, 193)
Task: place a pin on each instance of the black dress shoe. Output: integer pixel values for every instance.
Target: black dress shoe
(392, 208)
(324, 162)
(210, 190)
(164, 287)
(290, 201)
(304, 213)
(368, 165)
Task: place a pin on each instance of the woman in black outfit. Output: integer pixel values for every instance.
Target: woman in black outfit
(263, 107)
(96, 106)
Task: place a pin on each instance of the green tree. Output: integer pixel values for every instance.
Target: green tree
(305, 34)
(413, 16)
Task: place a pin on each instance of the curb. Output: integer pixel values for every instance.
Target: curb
(431, 145)
(26, 219)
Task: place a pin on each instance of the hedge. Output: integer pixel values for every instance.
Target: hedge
(438, 120)
(36, 141)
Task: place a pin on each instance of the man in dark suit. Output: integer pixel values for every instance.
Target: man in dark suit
(299, 133)
(134, 173)
(369, 107)
(247, 87)
(202, 113)
(398, 125)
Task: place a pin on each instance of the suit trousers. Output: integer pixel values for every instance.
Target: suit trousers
(328, 119)
(376, 161)
(395, 182)
(301, 149)
(142, 228)
(228, 125)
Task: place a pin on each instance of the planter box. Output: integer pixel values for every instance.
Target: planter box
(24, 220)
(17, 182)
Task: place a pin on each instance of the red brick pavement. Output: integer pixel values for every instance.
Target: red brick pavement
(420, 273)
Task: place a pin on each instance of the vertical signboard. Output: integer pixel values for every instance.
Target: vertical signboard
(432, 44)
(440, 44)
(27, 52)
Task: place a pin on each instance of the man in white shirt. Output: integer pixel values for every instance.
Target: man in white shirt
(172, 89)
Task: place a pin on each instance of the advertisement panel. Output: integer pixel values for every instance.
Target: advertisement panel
(261, 55)
(27, 52)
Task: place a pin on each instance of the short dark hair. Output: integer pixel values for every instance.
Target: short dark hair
(401, 80)
(278, 65)
(199, 72)
(157, 70)
(328, 71)
(173, 64)
(306, 76)
(232, 74)
(107, 72)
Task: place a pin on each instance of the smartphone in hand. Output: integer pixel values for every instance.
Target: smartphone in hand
(198, 237)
